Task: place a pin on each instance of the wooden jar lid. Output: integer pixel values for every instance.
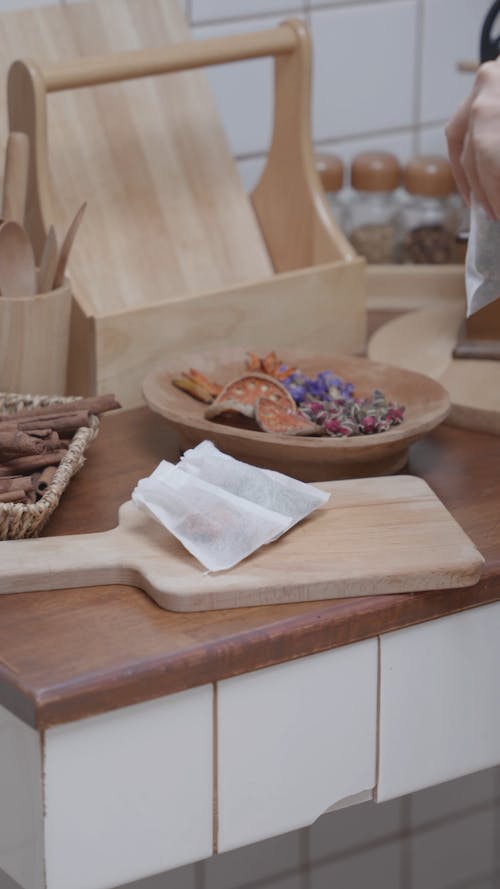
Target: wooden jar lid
(331, 171)
(429, 175)
(375, 171)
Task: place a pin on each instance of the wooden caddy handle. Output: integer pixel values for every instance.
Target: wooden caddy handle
(95, 70)
(289, 200)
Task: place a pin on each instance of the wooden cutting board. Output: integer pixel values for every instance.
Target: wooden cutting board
(424, 341)
(167, 215)
(374, 536)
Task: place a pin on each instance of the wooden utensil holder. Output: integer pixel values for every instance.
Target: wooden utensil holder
(34, 341)
(314, 299)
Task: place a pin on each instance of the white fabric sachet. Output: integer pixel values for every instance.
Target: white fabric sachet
(220, 509)
(482, 263)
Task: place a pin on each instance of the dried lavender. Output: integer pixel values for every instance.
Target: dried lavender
(326, 386)
(329, 402)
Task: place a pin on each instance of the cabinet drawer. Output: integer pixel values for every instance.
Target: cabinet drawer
(129, 793)
(439, 701)
(293, 740)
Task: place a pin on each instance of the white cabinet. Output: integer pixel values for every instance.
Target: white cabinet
(293, 740)
(21, 804)
(125, 794)
(439, 701)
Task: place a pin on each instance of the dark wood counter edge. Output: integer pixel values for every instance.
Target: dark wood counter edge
(207, 663)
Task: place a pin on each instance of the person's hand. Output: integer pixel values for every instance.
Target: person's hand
(473, 135)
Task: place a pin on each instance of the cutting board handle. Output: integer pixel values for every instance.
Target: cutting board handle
(49, 562)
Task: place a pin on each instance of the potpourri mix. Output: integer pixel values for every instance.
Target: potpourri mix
(282, 399)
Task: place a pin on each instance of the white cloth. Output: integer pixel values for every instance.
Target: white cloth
(482, 264)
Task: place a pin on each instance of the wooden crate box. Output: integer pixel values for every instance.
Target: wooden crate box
(268, 274)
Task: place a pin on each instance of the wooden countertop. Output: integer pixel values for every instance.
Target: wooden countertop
(69, 654)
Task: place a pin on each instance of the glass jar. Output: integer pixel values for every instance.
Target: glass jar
(331, 172)
(370, 219)
(428, 221)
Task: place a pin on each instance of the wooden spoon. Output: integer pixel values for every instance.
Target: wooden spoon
(66, 248)
(15, 181)
(48, 263)
(17, 262)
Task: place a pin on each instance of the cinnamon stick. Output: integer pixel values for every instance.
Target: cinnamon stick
(16, 483)
(29, 464)
(45, 479)
(97, 404)
(15, 443)
(13, 496)
(58, 421)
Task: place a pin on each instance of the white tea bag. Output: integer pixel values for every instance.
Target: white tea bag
(482, 264)
(217, 528)
(218, 525)
(274, 490)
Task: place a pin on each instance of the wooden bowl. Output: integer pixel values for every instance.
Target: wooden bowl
(308, 458)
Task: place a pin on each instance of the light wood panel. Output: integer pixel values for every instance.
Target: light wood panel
(34, 339)
(289, 199)
(318, 308)
(167, 214)
(373, 536)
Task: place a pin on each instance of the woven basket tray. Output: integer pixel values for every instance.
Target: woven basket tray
(18, 520)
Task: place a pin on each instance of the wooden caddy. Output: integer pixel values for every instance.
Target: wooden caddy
(315, 298)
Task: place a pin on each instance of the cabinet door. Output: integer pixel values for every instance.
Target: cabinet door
(439, 701)
(129, 793)
(21, 803)
(294, 740)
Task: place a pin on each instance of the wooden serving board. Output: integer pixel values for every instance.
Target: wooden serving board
(423, 342)
(374, 536)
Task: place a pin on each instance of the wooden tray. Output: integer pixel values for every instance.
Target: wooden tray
(308, 458)
(374, 536)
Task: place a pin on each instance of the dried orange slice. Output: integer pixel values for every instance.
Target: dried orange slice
(282, 420)
(242, 394)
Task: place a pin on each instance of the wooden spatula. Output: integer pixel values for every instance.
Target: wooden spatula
(48, 263)
(17, 262)
(15, 182)
(66, 247)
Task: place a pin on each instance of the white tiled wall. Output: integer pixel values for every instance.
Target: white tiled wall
(384, 72)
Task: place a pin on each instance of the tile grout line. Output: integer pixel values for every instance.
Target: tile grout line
(496, 822)
(248, 17)
(304, 858)
(299, 8)
(406, 862)
(377, 719)
(405, 832)
(215, 770)
(418, 72)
